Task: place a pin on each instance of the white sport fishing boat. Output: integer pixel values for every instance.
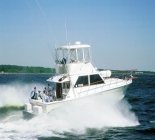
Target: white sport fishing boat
(78, 81)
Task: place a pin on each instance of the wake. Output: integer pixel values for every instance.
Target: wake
(16, 94)
(72, 118)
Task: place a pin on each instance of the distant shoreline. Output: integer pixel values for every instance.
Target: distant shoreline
(25, 73)
(54, 73)
(14, 69)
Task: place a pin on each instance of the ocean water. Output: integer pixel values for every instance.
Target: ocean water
(132, 118)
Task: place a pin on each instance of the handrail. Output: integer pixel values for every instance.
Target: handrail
(93, 83)
(117, 83)
(125, 73)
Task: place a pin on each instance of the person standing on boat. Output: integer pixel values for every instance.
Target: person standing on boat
(45, 97)
(49, 89)
(53, 94)
(63, 61)
(33, 94)
(50, 95)
(39, 94)
(45, 89)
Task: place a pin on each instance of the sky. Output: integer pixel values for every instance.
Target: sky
(121, 32)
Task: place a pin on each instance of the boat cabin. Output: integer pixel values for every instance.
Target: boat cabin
(75, 74)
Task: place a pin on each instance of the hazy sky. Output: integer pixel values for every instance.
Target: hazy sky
(121, 32)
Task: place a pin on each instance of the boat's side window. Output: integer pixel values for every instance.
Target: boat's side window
(65, 88)
(68, 85)
(82, 81)
(95, 79)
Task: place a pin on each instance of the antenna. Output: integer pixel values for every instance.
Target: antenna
(47, 23)
(41, 34)
(66, 33)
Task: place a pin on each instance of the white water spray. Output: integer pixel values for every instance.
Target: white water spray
(16, 94)
(73, 118)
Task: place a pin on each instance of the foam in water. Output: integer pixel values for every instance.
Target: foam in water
(16, 94)
(70, 118)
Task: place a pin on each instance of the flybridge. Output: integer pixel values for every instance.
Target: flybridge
(73, 53)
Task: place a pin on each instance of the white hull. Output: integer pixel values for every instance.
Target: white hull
(111, 96)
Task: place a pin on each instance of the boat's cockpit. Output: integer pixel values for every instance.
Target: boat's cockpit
(75, 73)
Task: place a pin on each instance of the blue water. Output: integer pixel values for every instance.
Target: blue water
(132, 118)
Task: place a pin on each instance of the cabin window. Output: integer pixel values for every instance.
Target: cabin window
(86, 54)
(80, 54)
(82, 81)
(73, 55)
(66, 85)
(95, 79)
(61, 56)
(65, 88)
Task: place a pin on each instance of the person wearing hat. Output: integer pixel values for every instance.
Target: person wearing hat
(39, 94)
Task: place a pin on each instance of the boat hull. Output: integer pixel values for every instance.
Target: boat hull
(111, 96)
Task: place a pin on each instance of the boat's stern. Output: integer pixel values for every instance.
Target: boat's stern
(33, 108)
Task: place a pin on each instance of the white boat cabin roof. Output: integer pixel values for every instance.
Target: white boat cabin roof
(73, 47)
(59, 79)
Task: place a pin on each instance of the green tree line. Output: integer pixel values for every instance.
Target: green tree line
(25, 69)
